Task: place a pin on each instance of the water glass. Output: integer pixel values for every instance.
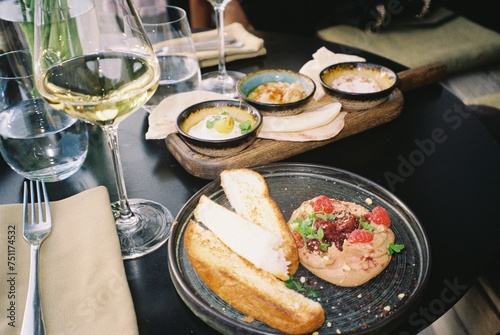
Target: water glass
(167, 28)
(37, 141)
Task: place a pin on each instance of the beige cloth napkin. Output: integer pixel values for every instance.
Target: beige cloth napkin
(458, 43)
(492, 100)
(83, 287)
(253, 47)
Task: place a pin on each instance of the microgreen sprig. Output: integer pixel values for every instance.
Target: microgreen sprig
(212, 121)
(306, 229)
(303, 288)
(245, 126)
(394, 248)
(366, 225)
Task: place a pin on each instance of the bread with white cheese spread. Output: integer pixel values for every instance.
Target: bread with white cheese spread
(250, 290)
(248, 193)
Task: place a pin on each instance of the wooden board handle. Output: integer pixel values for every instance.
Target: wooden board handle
(421, 76)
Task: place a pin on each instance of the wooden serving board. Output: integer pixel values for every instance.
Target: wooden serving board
(264, 151)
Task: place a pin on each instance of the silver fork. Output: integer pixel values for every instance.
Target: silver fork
(36, 228)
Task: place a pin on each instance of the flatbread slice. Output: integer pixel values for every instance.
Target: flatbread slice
(303, 121)
(316, 134)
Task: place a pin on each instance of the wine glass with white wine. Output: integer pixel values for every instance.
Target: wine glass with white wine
(91, 66)
(221, 81)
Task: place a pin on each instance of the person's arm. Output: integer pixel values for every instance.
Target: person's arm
(234, 13)
(201, 10)
(200, 13)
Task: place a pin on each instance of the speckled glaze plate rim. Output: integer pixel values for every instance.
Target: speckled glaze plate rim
(376, 306)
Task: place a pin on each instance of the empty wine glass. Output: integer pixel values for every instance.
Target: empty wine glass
(91, 66)
(221, 81)
(168, 30)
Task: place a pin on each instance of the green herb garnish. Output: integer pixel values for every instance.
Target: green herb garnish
(245, 126)
(303, 288)
(212, 121)
(366, 225)
(392, 248)
(307, 231)
(326, 217)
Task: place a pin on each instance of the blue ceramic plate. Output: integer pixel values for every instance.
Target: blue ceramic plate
(247, 84)
(375, 306)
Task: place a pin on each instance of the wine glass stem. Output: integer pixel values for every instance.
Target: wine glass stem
(219, 22)
(126, 216)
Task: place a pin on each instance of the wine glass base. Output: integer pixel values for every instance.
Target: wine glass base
(222, 84)
(150, 230)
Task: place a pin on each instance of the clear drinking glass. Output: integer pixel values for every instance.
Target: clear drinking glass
(221, 81)
(37, 141)
(168, 30)
(90, 67)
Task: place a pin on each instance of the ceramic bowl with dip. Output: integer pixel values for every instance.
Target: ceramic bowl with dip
(219, 128)
(276, 92)
(358, 85)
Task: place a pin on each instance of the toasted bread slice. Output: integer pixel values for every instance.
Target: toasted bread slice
(250, 290)
(248, 194)
(252, 242)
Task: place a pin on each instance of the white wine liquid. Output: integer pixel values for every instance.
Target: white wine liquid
(103, 88)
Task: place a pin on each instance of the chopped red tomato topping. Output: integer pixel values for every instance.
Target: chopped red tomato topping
(380, 216)
(360, 236)
(299, 241)
(322, 204)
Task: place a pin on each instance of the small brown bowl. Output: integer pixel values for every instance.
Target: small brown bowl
(212, 142)
(358, 85)
(251, 81)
